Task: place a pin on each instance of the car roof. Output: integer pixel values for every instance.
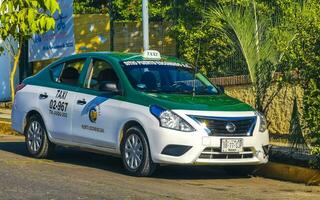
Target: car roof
(120, 56)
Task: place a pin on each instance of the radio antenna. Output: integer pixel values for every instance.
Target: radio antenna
(196, 70)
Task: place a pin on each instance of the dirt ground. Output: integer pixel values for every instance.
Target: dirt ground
(73, 174)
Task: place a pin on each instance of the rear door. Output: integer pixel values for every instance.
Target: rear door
(55, 101)
(96, 113)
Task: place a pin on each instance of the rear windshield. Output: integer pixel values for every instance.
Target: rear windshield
(166, 77)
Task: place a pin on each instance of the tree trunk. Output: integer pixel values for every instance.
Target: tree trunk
(13, 71)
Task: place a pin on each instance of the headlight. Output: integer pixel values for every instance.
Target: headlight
(169, 119)
(263, 122)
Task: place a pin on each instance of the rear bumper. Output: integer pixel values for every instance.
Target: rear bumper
(17, 119)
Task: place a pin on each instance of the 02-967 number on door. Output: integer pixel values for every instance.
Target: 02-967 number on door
(58, 105)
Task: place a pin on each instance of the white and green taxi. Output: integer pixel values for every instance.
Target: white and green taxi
(148, 109)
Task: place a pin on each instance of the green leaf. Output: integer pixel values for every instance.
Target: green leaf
(50, 23)
(42, 22)
(33, 16)
(52, 6)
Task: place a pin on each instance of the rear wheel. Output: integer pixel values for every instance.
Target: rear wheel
(135, 153)
(37, 142)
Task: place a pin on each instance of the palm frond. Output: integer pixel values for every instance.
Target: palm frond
(238, 24)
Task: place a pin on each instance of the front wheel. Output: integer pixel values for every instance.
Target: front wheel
(135, 153)
(37, 142)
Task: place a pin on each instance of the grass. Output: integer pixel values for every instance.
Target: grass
(5, 128)
(279, 139)
(6, 105)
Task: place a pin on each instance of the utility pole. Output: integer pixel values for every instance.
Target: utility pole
(111, 15)
(145, 24)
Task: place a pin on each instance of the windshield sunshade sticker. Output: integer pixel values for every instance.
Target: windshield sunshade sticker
(154, 63)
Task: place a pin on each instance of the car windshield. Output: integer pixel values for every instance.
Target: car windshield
(166, 77)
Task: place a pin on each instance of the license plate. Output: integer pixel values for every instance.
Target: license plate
(231, 145)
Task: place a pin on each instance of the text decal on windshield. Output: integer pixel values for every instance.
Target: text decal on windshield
(154, 63)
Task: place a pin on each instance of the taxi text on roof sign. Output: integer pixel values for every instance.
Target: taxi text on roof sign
(152, 55)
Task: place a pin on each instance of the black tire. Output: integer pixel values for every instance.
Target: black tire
(146, 167)
(240, 170)
(44, 148)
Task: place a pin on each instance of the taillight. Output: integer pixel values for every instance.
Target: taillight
(20, 87)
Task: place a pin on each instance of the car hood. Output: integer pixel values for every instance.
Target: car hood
(219, 102)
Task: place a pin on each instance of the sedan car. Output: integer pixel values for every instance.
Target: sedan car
(146, 108)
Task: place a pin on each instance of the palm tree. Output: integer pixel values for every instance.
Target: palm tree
(250, 37)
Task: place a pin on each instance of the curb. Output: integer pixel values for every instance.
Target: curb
(290, 173)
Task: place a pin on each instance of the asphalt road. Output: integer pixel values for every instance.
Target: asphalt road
(72, 174)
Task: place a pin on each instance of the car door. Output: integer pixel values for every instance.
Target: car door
(56, 98)
(96, 114)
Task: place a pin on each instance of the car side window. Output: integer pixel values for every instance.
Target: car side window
(71, 72)
(145, 78)
(100, 73)
(56, 72)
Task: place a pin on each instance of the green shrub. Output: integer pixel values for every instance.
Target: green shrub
(304, 57)
(311, 102)
(315, 161)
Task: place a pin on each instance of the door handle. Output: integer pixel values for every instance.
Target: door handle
(43, 96)
(81, 102)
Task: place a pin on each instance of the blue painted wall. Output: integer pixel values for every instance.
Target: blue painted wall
(6, 63)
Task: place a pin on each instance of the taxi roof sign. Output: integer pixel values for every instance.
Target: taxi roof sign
(152, 55)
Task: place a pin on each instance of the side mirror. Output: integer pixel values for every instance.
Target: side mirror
(221, 88)
(109, 86)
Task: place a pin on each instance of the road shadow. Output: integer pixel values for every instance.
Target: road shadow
(104, 162)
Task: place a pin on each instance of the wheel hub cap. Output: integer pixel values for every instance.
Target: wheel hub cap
(133, 151)
(34, 136)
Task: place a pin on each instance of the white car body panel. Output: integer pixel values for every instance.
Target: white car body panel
(57, 125)
(103, 132)
(25, 101)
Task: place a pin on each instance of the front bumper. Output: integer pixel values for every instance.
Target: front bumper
(205, 150)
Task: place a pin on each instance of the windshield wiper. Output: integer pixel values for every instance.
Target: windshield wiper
(151, 91)
(180, 92)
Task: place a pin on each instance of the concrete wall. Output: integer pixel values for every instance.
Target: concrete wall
(128, 38)
(280, 110)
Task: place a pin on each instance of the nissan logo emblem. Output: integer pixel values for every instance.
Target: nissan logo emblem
(231, 127)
